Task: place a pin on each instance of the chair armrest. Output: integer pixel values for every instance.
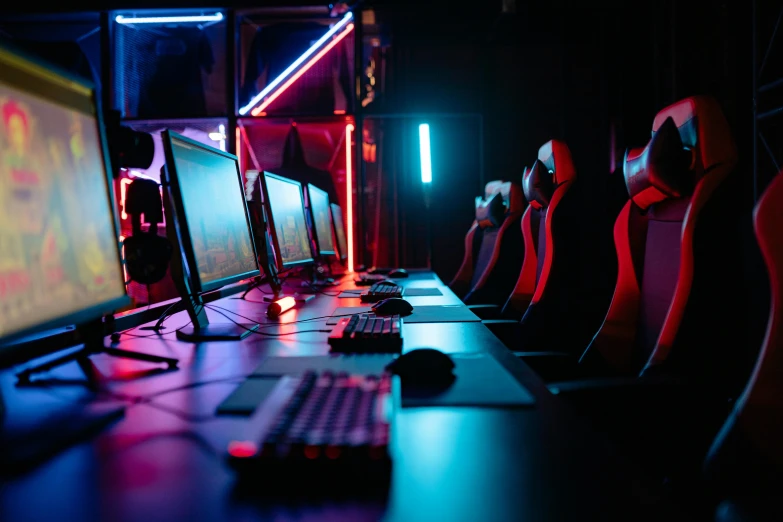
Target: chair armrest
(507, 330)
(485, 311)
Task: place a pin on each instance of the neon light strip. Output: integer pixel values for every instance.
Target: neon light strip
(349, 191)
(168, 19)
(259, 110)
(424, 152)
(299, 61)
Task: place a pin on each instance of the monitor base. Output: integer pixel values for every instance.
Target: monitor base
(82, 358)
(216, 332)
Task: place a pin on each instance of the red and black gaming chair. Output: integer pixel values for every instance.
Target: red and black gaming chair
(677, 250)
(745, 463)
(493, 246)
(543, 294)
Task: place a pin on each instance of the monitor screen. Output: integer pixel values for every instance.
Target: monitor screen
(339, 230)
(322, 221)
(59, 251)
(217, 229)
(287, 220)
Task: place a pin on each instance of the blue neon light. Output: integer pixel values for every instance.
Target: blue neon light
(299, 61)
(168, 19)
(424, 151)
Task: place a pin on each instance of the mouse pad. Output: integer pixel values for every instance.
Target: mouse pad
(421, 314)
(364, 364)
(480, 381)
(248, 395)
(408, 292)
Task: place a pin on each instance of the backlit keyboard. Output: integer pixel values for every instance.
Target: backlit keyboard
(331, 423)
(369, 279)
(380, 291)
(366, 333)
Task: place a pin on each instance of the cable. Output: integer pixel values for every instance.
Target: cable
(259, 332)
(279, 324)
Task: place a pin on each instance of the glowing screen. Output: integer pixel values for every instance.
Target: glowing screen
(286, 204)
(319, 203)
(59, 251)
(339, 230)
(215, 211)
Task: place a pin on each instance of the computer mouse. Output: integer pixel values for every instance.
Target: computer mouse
(387, 282)
(398, 272)
(392, 306)
(424, 368)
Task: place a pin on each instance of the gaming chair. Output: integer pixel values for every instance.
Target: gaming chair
(745, 464)
(676, 245)
(545, 294)
(493, 246)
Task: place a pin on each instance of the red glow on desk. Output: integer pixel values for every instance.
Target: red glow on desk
(242, 449)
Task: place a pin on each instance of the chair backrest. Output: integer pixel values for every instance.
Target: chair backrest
(749, 448)
(550, 236)
(669, 247)
(493, 245)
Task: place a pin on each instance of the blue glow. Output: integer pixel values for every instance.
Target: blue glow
(424, 151)
(168, 19)
(299, 61)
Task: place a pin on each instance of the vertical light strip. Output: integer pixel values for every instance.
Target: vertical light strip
(238, 150)
(259, 111)
(424, 152)
(274, 83)
(349, 192)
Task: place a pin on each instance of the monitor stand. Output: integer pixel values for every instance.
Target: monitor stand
(92, 335)
(201, 330)
(316, 280)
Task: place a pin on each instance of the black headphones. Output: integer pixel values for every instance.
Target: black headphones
(147, 254)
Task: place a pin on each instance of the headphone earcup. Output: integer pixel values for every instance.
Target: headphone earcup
(147, 258)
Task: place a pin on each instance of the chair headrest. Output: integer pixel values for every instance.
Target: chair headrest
(703, 129)
(556, 157)
(539, 185)
(661, 170)
(490, 212)
(501, 198)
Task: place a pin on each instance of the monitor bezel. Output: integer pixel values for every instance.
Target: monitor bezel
(340, 254)
(180, 220)
(96, 311)
(270, 218)
(309, 207)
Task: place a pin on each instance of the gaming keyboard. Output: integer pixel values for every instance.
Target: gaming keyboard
(366, 333)
(330, 423)
(368, 280)
(380, 291)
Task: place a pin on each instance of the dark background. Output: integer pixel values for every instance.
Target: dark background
(593, 74)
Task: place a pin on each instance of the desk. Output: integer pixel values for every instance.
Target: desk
(458, 464)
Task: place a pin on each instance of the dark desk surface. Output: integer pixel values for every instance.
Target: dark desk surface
(164, 461)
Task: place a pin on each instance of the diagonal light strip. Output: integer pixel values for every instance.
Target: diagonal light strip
(298, 74)
(299, 61)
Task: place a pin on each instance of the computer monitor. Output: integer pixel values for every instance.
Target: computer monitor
(59, 250)
(208, 222)
(339, 231)
(284, 203)
(321, 219)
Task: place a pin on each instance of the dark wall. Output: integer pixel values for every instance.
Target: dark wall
(576, 71)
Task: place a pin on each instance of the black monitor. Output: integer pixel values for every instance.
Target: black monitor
(321, 219)
(339, 231)
(209, 226)
(59, 251)
(285, 210)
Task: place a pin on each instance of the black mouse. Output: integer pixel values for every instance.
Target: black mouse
(398, 272)
(424, 368)
(392, 306)
(387, 282)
